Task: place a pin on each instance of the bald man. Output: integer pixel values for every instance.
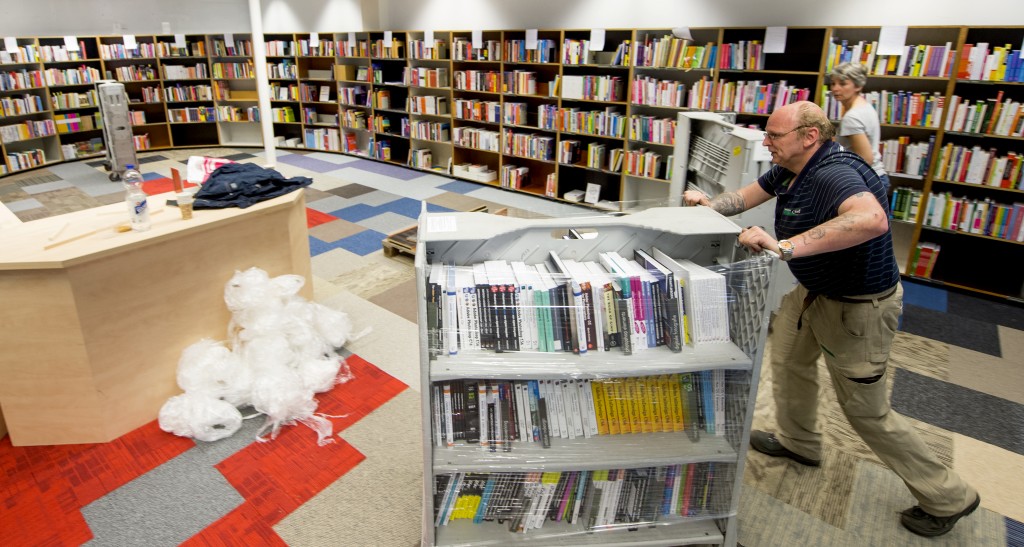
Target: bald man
(831, 214)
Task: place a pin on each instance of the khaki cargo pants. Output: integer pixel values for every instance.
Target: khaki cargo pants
(855, 338)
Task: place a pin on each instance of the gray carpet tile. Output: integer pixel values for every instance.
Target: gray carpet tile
(986, 310)
(980, 336)
(174, 501)
(351, 190)
(878, 497)
(978, 415)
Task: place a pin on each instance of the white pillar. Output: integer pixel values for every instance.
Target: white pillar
(259, 59)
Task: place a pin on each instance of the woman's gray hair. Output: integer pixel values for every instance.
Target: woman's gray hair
(855, 72)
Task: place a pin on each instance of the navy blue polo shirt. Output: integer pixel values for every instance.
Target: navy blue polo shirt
(830, 177)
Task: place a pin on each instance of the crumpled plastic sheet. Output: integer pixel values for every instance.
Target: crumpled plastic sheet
(282, 350)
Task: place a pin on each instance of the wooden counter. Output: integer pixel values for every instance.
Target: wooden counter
(91, 330)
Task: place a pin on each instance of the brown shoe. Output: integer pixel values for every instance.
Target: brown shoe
(922, 523)
(766, 443)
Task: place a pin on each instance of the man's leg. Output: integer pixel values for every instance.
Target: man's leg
(794, 357)
(856, 339)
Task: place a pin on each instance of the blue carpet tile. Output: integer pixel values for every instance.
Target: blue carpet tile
(405, 206)
(979, 336)
(1014, 533)
(925, 296)
(393, 171)
(459, 187)
(311, 164)
(355, 213)
(363, 243)
(981, 416)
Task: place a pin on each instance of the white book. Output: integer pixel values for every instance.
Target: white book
(569, 408)
(589, 410)
(449, 430)
(718, 391)
(563, 426)
(522, 411)
(705, 294)
(976, 61)
(526, 305)
(576, 407)
(438, 402)
(450, 311)
(481, 404)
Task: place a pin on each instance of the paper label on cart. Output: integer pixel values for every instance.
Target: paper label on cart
(445, 223)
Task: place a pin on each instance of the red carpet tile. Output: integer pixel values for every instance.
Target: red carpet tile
(316, 218)
(45, 487)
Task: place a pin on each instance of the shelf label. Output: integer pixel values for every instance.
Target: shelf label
(478, 39)
(179, 41)
(314, 40)
(229, 40)
(593, 193)
(531, 38)
(775, 39)
(596, 39)
(443, 223)
(352, 43)
(892, 40)
(387, 38)
(71, 42)
(682, 33)
(129, 42)
(428, 39)
(11, 44)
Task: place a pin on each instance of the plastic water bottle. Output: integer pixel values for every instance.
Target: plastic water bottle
(138, 208)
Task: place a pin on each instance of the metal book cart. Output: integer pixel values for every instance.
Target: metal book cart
(677, 483)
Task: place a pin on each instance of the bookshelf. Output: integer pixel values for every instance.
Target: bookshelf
(508, 114)
(976, 168)
(644, 445)
(27, 130)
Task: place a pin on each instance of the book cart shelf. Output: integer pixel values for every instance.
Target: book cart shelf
(482, 488)
(553, 121)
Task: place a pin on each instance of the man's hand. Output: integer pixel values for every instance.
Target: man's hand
(757, 240)
(696, 197)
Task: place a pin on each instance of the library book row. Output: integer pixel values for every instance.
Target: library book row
(615, 303)
(496, 415)
(592, 501)
(961, 214)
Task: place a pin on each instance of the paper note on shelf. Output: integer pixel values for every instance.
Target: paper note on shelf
(596, 39)
(775, 39)
(892, 39)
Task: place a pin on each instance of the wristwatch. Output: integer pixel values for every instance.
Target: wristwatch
(785, 250)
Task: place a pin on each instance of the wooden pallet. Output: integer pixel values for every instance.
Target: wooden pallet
(404, 240)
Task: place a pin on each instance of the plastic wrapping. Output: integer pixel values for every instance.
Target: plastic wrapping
(282, 352)
(576, 392)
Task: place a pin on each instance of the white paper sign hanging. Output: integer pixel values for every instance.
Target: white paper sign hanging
(597, 39)
(387, 38)
(229, 40)
(428, 39)
(71, 42)
(10, 44)
(179, 40)
(682, 33)
(531, 39)
(314, 40)
(891, 40)
(775, 40)
(478, 39)
(129, 42)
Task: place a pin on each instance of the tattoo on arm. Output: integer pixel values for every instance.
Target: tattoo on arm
(728, 204)
(841, 223)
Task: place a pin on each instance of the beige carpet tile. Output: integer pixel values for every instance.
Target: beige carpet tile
(335, 262)
(313, 194)
(66, 200)
(399, 299)
(34, 214)
(379, 502)
(458, 202)
(334, 230)
(377, 277)
(1002, 377)
(764, 521)
(392, 343)
(997, 474)
(921, 355)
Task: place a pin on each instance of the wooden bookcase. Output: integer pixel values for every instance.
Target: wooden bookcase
(506, 112)
(463, 239)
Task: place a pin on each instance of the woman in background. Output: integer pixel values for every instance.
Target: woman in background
(858, 130)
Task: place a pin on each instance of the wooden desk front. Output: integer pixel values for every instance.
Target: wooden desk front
(91, 330)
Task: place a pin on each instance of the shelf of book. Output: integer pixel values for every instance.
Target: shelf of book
(527, 442)
(945, 69)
